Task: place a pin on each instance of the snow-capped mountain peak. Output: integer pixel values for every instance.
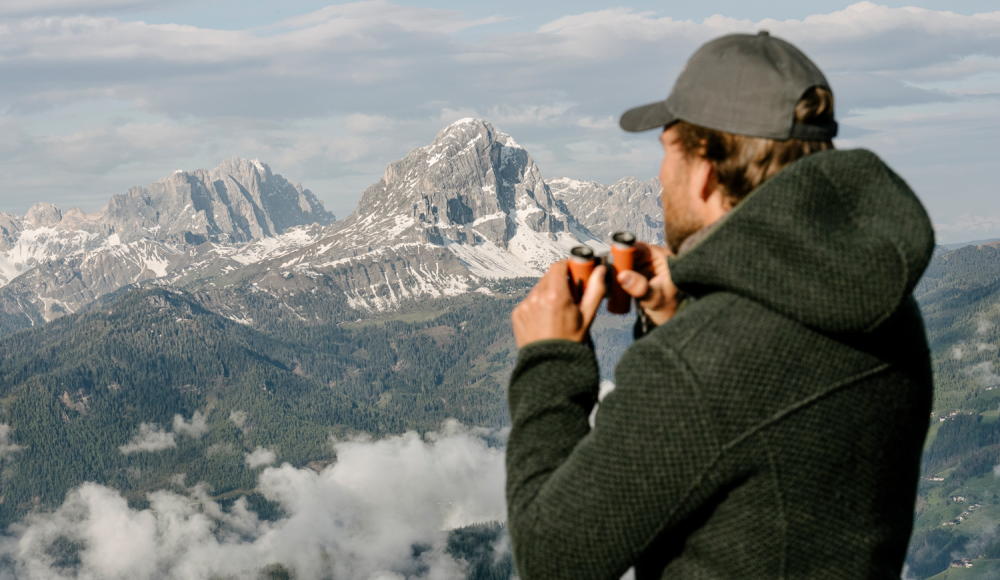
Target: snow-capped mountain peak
(469, 207)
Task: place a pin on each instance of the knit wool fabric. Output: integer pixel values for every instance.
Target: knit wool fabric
(772, 429)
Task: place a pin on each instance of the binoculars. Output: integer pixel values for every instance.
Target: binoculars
(583, 260)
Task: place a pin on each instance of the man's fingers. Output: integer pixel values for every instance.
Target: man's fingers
(556, 274)
(634, 284)
(593, 295)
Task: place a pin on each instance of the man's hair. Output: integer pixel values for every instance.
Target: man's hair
(743, 163)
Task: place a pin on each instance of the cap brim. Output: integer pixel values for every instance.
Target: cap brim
(647, 117)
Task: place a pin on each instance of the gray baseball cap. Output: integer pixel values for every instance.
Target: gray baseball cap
(745, 84)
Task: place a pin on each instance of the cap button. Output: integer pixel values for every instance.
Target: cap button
(763, 33)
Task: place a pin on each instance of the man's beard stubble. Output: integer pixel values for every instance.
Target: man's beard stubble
(679, 222)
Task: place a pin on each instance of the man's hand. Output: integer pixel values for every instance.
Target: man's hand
(651, 284)
(549, 311)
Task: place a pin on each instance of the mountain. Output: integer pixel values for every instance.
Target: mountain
(462, 214)
(469, 208)
(52, 263)
(629, 204)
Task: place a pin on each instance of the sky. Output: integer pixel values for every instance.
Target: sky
(97, 96)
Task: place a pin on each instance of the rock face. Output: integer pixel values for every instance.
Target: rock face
(448, 218)
(470, 207)
(236, 202)
(629, 204)
(472, 186)
(61, 261)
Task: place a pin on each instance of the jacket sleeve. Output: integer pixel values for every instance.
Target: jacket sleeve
(585, 503)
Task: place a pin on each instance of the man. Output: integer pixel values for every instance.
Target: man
(769, 424)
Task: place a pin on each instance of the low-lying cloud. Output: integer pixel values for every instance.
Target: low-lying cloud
(238, 418)
(195, 428)
(359, 518)
(983, 372)
(260, 456)
(7, 447)
(152, 438)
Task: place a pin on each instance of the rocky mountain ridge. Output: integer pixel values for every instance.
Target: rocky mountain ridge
(458, 215)
(239, 201)
(629, 204)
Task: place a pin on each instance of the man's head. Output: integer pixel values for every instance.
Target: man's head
(744, 107)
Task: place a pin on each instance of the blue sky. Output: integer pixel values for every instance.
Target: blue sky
(100, 95)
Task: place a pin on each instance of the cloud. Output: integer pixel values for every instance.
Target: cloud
(367, 58)
(260, 456)
(6, 447)
(27, 7)
(969, 225)
(150, 438)
(357, 519)
(195, 428)
(238, 418)
(983, 372)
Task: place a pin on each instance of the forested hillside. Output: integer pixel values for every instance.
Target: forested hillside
(78, 389)
(958, 509)
(151, 383)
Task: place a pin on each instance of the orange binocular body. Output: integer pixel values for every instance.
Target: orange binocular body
(583, 260)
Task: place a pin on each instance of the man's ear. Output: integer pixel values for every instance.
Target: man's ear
(704, 180)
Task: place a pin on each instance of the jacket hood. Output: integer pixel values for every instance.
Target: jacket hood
(836, 241)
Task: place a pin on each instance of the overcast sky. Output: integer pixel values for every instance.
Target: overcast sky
(100, 95)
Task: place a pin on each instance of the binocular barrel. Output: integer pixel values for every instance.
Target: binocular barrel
(583, 260)
(622, 249)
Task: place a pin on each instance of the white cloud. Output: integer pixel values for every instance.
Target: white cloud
(970, 226)
(6, 447)
(260, 456)
(150, 438)
(195, 428)
(23, 7)
(238, 418)
(983, 372)
(357, 519)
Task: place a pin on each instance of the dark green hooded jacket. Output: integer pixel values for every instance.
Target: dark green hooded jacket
(772, 429)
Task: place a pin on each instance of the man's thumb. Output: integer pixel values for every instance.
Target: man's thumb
(634, 284)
